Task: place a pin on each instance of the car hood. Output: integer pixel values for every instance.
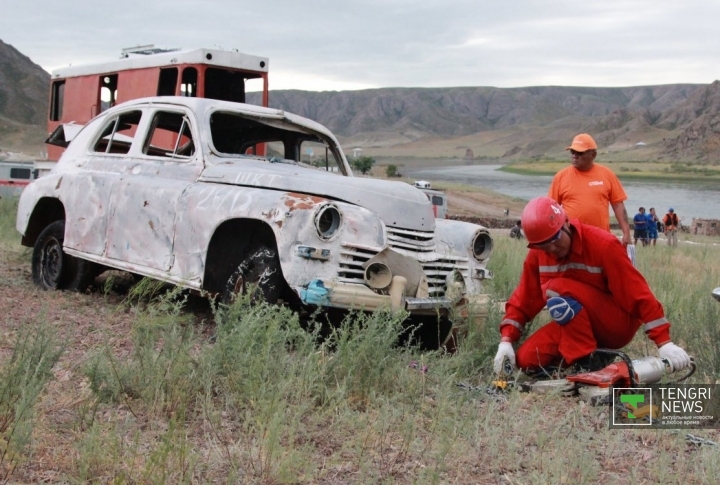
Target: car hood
(398, 204)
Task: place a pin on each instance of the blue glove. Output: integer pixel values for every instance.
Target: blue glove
(563, 308)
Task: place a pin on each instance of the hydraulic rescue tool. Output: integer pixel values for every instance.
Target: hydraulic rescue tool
(594, 386)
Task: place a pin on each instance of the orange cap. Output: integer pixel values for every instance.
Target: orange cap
(582, 143)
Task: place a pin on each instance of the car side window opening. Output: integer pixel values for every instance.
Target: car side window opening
(118, 134)
(236, 135)
(170, 135)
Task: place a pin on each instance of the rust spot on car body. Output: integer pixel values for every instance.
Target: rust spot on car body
(295, 201)
(271, 214)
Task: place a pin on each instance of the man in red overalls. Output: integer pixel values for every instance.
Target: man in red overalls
(595, 296)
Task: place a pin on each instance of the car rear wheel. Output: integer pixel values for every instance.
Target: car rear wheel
(260, 273)
(52, 269)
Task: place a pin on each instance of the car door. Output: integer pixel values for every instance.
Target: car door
(98, 159)
(144, 207)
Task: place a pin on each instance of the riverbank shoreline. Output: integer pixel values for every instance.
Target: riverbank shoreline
(699, 176)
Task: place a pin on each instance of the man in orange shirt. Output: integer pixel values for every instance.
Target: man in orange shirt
(672, 223)
(585, 189)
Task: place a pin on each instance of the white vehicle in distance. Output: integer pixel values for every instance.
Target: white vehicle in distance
(439, 201)
(221, 197)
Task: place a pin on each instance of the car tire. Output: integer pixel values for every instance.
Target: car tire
(52, 269)
(259, 271)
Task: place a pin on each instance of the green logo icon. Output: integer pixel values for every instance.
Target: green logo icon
(633, 400)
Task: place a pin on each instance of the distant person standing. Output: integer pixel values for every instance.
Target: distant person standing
(585, 189)
(672, 223)
(640, 225)
(516, 231)
(652, 226)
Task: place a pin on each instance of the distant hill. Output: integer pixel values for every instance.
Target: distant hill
(640, 122)
(23, 101)
(467, 110)
(698, 118)
(676, 121)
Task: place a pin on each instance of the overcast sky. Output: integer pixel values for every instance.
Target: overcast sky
(357, 44)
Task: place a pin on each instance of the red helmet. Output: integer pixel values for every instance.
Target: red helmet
(542, 218)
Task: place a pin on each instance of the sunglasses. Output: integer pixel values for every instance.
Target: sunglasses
(547, 243)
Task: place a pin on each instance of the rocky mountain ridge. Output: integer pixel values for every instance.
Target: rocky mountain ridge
(678, 121)
(23, 88)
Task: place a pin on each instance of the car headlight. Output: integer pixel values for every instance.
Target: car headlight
(327, 221)
(482, 245)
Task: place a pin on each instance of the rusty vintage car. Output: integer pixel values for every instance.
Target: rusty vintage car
(220, 197)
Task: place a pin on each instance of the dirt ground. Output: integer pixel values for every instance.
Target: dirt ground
(86, 324)
(463, 203)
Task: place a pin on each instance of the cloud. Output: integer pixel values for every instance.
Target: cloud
(330, 45)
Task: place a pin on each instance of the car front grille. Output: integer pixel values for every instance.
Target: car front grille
(415, 244)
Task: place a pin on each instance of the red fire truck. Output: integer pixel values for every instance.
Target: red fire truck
(78, 93)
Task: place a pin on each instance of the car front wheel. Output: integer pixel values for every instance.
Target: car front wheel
(52, 269)
(260, 273)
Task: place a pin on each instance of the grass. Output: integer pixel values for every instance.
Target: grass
(8, 235)
(152, 390)
(640, 170)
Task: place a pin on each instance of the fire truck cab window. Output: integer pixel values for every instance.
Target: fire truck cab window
(188, 87)
(108, 91)
(167, 81)
(56, 101)
(224, 85)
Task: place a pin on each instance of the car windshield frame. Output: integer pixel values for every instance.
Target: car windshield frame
(267, 130)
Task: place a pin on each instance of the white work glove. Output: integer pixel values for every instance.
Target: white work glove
(505, 351)
(676, 356)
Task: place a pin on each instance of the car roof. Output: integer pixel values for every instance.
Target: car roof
(203, 105)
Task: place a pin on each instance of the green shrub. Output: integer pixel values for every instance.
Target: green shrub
(8, 213)
(22, 380)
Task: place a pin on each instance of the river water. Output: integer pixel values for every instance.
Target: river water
(696, 200)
